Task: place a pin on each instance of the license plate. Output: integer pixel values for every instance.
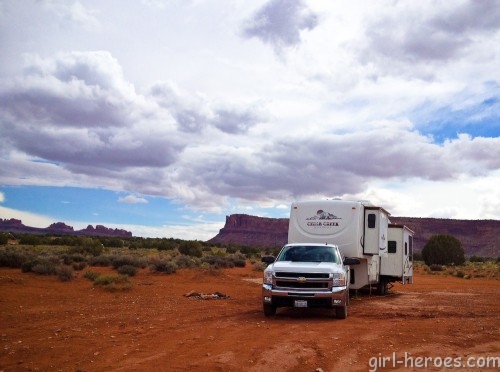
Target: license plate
(300, 303)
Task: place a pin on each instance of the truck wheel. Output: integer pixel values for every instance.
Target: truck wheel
(269, 310)
(341, 312)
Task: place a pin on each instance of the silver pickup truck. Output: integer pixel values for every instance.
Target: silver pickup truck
(307, 275)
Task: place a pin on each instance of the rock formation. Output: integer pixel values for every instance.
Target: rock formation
(60, 228)
(478, 237)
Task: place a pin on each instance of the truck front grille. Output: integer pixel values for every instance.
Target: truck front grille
(305, 281)
(282, 274)
(303, 285)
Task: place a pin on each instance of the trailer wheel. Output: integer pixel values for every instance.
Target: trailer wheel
(382, 288)
(269, 310)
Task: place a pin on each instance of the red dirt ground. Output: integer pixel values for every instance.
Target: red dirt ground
(46, 324)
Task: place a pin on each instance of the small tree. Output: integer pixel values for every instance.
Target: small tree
(443, 250)
(191, 248)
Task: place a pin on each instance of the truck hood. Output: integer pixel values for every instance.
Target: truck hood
(312, 267)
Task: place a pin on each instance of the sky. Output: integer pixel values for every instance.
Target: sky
(162, 117)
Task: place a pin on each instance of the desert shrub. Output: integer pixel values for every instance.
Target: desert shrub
(460, 274)
(191, 248)
(443, 250)
(182, 262)
(122, 260)
(68, 259)
(239, 261)
(112, 242)
(435, 267)
(259, 266)
(227, 261)
(64, 273)
(219, 262)
(101, 260)
(162, 266)
(91, 275)
(166, 245)
(4, 239)
(127, 270)
(79, 265)
(87, 246)
(250, 251)
(27, 265)
(43, 266)
(417, 256)
(12, 257)
(477, 259)
(113, 283)
(31, 240)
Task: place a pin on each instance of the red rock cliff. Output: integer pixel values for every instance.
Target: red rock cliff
(478, 237)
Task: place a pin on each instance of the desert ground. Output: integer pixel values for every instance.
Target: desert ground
(49, 325)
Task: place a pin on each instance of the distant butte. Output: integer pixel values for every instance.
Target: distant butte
(478, 237)
(60, 228)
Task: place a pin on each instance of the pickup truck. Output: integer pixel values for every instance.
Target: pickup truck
(307, 275)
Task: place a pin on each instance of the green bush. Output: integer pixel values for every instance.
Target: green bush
(191, 248)
(477, 259)
(182, 262)
(101, 260)
(43, 266)
(64, 273)
(229, 261)
(127, 270)
(13, 257)
(4, 239)
(79, 265)
(113, 283)
(443, 250)
(122, 260)
(91, 275)
(435, 267)
(163, 266)
(87, 246)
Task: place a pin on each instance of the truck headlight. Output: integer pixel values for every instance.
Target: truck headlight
(339, 279)
(268, 277)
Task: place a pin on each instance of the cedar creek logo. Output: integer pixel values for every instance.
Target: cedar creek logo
(323, 219)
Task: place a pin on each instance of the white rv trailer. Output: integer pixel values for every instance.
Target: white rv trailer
(361, 230)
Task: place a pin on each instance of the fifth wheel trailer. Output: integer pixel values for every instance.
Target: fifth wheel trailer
(362, 231)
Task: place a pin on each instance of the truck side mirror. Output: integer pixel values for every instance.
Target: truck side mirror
(348, 261)
(268, 259)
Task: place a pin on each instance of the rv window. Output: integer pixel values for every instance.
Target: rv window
(371, 221)
(406, 249)
(410, 239)
(391, 246)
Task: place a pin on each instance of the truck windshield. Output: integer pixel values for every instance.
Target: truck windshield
(298, 253)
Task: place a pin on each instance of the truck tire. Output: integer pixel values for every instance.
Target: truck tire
(341, 312)
(269, 310)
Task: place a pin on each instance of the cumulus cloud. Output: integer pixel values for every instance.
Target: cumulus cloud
(195, 113)
(331, 165)
(132, 199)
(77, 109)
(73, 12)
(427, 32)
(280, 22)
(208, 120)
